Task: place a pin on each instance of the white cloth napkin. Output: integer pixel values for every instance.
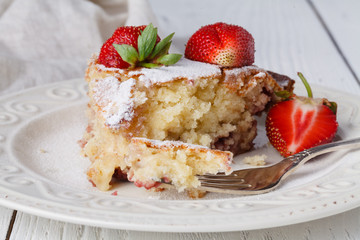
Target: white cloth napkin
(44, 41)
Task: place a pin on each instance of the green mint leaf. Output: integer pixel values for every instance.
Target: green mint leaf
(147, 41)
(127, 52)
(162, 47)
(163, 51)
(169, 59)
(149, 65)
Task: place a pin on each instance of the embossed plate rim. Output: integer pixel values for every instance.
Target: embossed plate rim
(163, 215)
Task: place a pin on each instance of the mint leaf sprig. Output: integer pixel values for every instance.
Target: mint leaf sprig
(149, 54)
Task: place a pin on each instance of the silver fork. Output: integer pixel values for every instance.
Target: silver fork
(264, 179)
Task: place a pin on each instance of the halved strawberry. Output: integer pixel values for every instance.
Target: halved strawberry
(132, 46)
(299, 123)
(223, 44)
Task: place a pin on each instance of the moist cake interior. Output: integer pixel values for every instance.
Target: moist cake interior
(175, 162)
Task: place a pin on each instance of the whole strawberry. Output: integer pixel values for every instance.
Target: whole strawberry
(223, 44)
(132, 46)
(299, 123)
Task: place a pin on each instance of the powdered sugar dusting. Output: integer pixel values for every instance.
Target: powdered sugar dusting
(116, 99)
(183, 69)
(246, 69)
(260, 75)
(115, 70)
(93, 61)
(167, 143)
(236, 72)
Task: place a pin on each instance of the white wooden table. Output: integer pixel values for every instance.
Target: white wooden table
(317, 37)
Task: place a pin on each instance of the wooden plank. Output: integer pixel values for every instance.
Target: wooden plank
(5, 219)
(343, 21)
(288, 35)
(28, 226)
(335, 227)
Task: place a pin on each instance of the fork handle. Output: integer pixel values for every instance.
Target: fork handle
(306, 155)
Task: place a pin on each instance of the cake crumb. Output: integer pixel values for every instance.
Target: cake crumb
(42, 151)
(195, 193)
(257, 160)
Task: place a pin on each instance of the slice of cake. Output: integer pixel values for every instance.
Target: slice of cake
(193, 102)
(190, 101)
(151, 162)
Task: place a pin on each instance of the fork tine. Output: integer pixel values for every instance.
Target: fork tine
(241, 181)
(226, 185)
(218, 177)
(237, 180)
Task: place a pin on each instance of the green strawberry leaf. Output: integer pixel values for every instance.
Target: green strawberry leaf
(127, 52)
(162, 47)
(284, 95)
(169, 59)
(333, 107)
(147, 41)
(306, 84)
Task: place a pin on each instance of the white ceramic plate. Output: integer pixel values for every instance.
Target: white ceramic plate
(42, 173)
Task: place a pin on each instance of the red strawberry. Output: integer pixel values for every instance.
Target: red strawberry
(132, 46)
(123, 35)
(223, 44)
(300, 123)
